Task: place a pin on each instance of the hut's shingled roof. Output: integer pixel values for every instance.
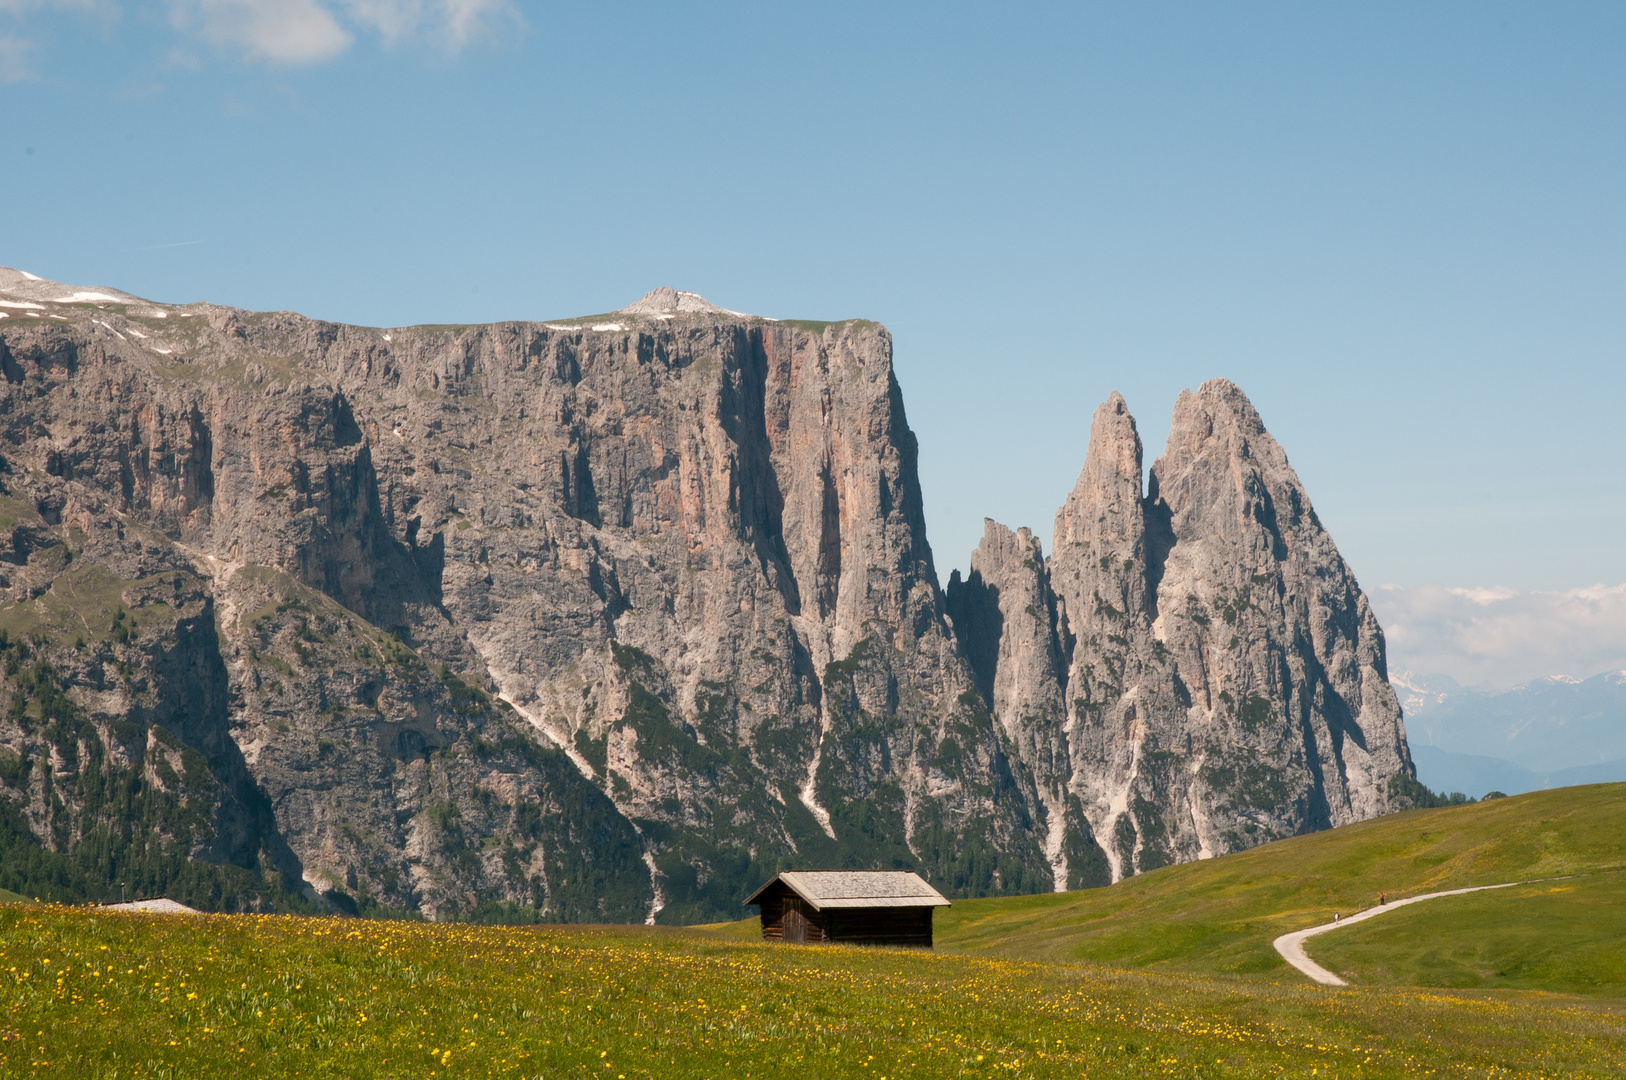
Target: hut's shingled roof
(857, 889)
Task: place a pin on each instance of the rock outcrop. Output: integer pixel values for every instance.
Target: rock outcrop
(611, 618)
(1222, 676)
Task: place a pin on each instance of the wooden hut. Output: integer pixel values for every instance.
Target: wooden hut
(850, 907)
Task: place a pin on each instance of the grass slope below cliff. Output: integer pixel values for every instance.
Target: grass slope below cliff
(1220, 915)
(94, 994)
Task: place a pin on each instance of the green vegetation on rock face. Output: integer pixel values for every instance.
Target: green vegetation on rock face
(817, 326)
(113, 827)
(660, 740)
(1221, 915)
(103, 995)
(14, 512)
(89, 604)
(514, 833)
(120, 760)
(855, 784)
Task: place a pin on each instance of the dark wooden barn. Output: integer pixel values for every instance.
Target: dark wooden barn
(850, 907)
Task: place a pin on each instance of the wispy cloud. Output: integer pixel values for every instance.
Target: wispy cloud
(16, 49)
(313, 31)
(467, 21)
(1501, 637)
(278, 32)
(14, 65)
(453, 23)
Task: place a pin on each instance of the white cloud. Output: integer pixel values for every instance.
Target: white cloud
(279, 31)
(1500, 637)
(282, 31)
(453, 23)
(470, 20)
(311, 31)
(395, 20)
(14, 60)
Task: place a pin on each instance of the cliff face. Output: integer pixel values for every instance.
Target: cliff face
(652, 588)
(612, 618)
(1224, 676)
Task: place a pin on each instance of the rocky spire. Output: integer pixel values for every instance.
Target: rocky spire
(1099, 549)
(1270, 631)
(1007, 620)
(1120, 689)
(1224, 680)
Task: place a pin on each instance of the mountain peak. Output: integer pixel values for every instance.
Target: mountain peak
(667, 301)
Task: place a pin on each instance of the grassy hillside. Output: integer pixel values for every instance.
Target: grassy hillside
(1567, 935)
(1221, 915)
(94, 994)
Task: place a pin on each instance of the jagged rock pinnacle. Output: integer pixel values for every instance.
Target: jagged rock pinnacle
(1222, 675)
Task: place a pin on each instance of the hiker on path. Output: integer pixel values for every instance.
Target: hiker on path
(1382, 899)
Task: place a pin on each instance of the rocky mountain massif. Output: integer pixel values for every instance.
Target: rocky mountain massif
(611, 618)
(1192, 671)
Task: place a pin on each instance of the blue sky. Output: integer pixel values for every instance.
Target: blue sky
(1400, 227)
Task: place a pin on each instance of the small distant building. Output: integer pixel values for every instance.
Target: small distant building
(848, 907)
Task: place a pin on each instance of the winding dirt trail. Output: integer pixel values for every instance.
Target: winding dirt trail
(1291, 946)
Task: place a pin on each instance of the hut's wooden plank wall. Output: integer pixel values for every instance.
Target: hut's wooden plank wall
(882, 926)
(787, 917)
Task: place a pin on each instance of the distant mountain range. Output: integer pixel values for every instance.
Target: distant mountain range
(1547, 733)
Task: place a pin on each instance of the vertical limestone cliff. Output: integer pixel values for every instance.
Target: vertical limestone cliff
(601, 618)
(1224, 678)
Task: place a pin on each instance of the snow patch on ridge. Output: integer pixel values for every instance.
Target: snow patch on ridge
(21, 285)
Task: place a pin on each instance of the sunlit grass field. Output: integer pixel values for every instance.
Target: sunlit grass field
(92, 994)
(1567, 935)
(1168, 974)
(1220, 915)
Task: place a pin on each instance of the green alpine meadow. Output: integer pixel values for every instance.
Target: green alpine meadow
(1168, 974)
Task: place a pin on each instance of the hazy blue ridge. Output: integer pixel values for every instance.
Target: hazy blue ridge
(1475, 775)
(1548, 726)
